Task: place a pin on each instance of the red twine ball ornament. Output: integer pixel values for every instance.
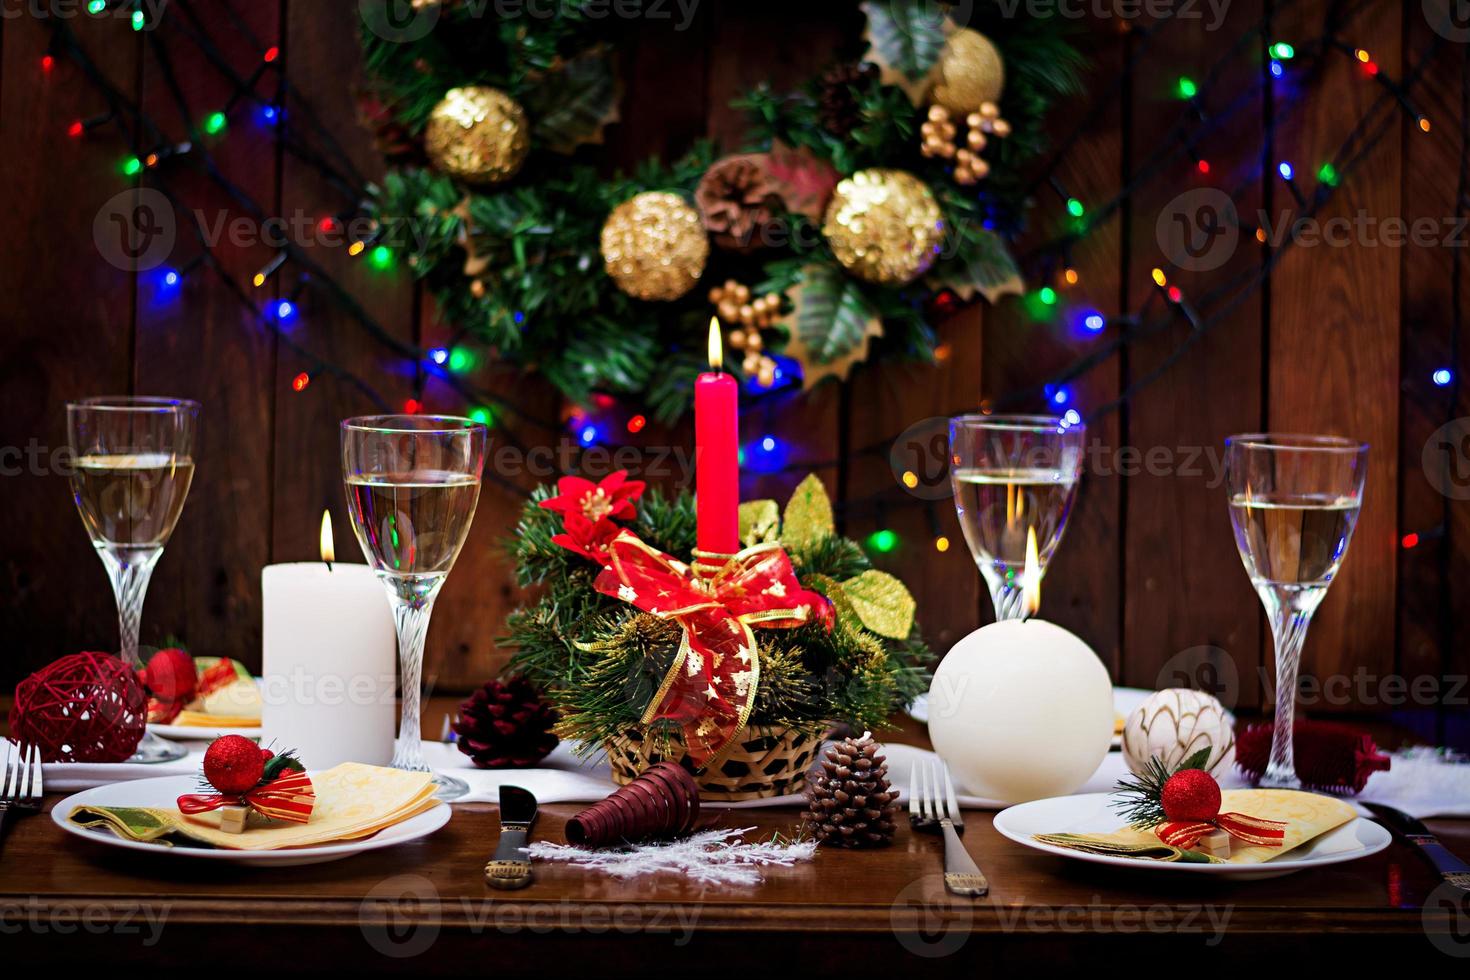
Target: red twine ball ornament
(88, 707)
(233, 764)
(1191, 795)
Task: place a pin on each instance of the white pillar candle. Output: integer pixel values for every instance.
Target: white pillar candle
(329, 662)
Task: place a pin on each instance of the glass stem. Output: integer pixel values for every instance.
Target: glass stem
(1007, 597)
(129, 576)
(411, 616)
(1290, 614)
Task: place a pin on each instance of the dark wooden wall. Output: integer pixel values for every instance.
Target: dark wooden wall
(1343, 340)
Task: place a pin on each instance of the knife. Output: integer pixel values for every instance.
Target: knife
(511, 866)
(1450, 868)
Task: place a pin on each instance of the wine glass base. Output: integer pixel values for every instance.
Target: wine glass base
(1278, 780)
(152, 750)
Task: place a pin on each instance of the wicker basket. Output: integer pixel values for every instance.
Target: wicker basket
(765, 762)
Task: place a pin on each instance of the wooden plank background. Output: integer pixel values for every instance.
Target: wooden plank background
(1342, 340)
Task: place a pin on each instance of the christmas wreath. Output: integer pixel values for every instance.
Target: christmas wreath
(883, 183)
(835, 639)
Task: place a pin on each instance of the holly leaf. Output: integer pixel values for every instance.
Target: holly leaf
(808, 515)
(1196, 761)
(847, 616)
(574, 104)
(882, 602)
(804, 180)
(990, 271)
(832, 324)
(905, 39)
(760, 521)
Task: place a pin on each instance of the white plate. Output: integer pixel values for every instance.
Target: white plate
(199, 733)
(1089, 813)
(164, 791)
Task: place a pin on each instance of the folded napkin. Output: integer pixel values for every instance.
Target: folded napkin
(203, 719)
(352, 801)
(1307, 816)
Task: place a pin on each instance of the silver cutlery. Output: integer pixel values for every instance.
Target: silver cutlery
(932, 810)
(1450, 867)
(510, 868)
(20, 780)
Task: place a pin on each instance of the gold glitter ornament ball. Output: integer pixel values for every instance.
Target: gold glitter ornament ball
(969, 74)
(478, 134)
(884, 226)
(654, 246)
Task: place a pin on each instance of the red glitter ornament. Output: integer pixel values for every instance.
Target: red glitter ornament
(169, 675)
(233, 764)
(88, 707)
(1191, 795)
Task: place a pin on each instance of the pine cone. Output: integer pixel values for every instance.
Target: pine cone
(851, 803)
(838, 99)
(505, 726)
(738, 201)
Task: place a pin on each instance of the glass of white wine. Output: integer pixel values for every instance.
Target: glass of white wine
(133, 461)
(1294, 502)
(1014, 477)
(413, 482)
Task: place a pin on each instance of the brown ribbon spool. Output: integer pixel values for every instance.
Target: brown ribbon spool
(662, 802)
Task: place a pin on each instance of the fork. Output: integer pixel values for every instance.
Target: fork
(931, 811)
(20, 780)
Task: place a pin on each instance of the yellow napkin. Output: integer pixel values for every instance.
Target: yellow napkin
(352, 801)
(201, 719)
(1307, 817)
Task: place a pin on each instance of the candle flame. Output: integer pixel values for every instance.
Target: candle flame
(1031, 574)
(329, 554)
(716, 345)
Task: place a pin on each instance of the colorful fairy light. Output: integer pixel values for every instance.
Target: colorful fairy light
(1175, 295)
(1286, 170)
(271, 54)
(285, 311)
(382, 258)
(1187, 88)
(1204, 166)
(132, 167)
(439, 355)
(637, 424)
(140, 20)
(910, 479)
(883, 541)
(589, 435)
(300, 382)
(1071, 276)
(48, 62)
(1048, 296)
(941, 544)
(216, 123)
(1409, 540)
(1159, 278)
(1282, 51)
(1072, 417)
(1277, 70)
(482, 415)
(1328, 175)
(1442, 377)
(1075, 208)
(95, 7)
(1095, 322)
(460, 360)
(412, 406)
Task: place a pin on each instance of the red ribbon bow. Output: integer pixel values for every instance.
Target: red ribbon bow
(289, 797)
(710, 688)
(1185, 834)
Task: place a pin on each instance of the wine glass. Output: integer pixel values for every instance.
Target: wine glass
(1294, 502)
(133, 461)
(1014, 477)
(412, 485)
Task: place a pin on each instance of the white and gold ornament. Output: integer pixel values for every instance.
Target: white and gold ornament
(1174, 724)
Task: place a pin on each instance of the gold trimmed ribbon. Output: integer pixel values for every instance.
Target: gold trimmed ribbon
(290, 797)
(710, 687)
(1250, 830)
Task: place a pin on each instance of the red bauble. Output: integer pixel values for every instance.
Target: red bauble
(1191, 794)
(169, 675)
(88, 707)
(233, 764)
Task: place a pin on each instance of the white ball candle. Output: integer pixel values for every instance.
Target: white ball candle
(1021, 710)
(329, 662)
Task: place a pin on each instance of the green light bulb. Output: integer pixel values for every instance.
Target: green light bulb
(1048, 296)
(215, 124)
(1187, 88)
(382, 257)
(883, 541)
(1074, 206)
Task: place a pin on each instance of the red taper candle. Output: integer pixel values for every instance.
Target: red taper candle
(717, 453)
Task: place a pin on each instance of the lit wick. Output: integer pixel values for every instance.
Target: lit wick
(328, 554)
(716, 347)
(1031, 575)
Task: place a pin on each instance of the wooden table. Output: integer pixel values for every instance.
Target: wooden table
(424, 908)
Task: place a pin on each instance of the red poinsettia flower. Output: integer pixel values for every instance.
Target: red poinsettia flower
(589, 539)
(611, 497)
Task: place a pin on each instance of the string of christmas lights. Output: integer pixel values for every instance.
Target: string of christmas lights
(152, 155)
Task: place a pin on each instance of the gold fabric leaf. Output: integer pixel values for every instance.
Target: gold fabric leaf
(882, 602)
(808, 514)
(760, 521)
